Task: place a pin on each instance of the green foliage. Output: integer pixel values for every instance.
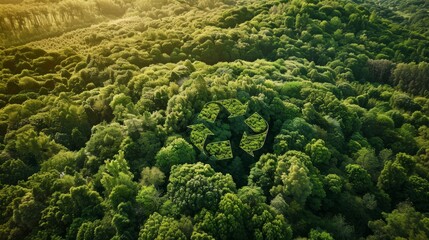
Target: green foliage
(359, 178)
(14, 170)
(60, 162)
(177, 152)
(160, 227)
(195, 186)
(297, 181)
(318, 152)
(210, 112)
(104, 143)
(256, 123)
(116, 174)
(149, 201)
(222, 150)
(319, 235)
(152, 177)
(262, 174)
(96, 97)
(403, 222)
(251, 143)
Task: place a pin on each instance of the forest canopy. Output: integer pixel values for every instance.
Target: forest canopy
(204, 119)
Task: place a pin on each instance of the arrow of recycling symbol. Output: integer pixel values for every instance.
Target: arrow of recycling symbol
(211, 110)
(222, 149)
(251, 143)
(199, 135)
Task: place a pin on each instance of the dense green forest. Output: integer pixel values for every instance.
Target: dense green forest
(214, 119)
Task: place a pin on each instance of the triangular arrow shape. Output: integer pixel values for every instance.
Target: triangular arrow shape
(199, 135)
(251, 143)
(209, 112)
(256, 123)
(221, 150)
(234, 107)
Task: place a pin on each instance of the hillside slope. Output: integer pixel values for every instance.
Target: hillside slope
(201, 119)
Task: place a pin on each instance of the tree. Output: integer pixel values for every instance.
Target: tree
(231, 218)
(403, 222)
(104, 143)
(148, 200)
(177, 152)
(418, 192)
(69, 210)
(14, 170)
(380, 70)
(33, 147)
(319, 235)
(195, 186)
(60, 161)
(234, 219)
(152, 177)
(262, 174)
(122, 105)
(359, 178)
(117, 173)
(295, 181)
(368, 160)
(27, 211)
(141, 151)
(251, 196)
(318, 152)
(86, 202)
(412, 77)
(159, 227)
(392, 180)
(334, 182)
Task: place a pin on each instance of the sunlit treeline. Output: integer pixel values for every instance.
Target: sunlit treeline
(21, 22)
(19, 18)
(27, 21)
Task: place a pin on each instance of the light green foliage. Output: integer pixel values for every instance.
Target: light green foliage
(210, 112)
(297, 182)
(221, 150)
(403, 222)
(201, 236)
(122, 106)
(199, 135)
(196, 186)
(27, 212)
(234, 107)
(152, 177)
(251, 143)
(231, 218)
(159, 227)
(177, 152)
(60, 161)
(117, 174)
(149, 200)
(256, 123)
(97, 98)
(318, 152)
(369, 161)
(319, 235)
(334, 183)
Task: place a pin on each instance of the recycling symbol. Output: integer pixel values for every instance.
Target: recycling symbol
(250, 142)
